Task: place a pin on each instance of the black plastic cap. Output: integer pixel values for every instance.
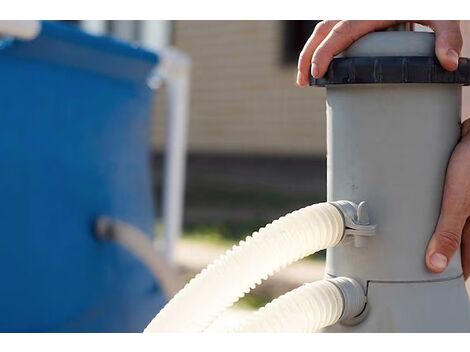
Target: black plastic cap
(392, 69)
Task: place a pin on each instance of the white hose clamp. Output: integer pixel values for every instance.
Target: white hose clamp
(356, 222)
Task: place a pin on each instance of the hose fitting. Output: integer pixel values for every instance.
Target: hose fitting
(354, 297)
(356, 221)
(284, 241)
(309, 308)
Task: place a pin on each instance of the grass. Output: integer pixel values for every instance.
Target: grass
(252, 301)
(224, 232)
(214, 235)
(262, 206)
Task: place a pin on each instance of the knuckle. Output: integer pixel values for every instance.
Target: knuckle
(320, 55)
(322, 28)
(458, 40)
(344, 27)
(454, 38)
(448, 33)
(449, 241)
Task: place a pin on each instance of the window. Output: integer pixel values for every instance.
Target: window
(294, 36)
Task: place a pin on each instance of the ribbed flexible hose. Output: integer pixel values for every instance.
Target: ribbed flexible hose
(222, 283)
(140, 245)
(308, 308)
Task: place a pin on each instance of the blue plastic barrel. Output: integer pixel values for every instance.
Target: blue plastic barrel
(74, 133)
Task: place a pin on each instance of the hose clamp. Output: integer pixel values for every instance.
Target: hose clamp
(357, 226)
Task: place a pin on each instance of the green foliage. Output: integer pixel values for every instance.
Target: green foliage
(253, 301)
(214, 235)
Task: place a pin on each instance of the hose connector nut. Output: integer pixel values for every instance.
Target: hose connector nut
(354, 299)
(356, 222)
(103, 228)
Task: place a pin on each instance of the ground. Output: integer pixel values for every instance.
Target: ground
(193, 255)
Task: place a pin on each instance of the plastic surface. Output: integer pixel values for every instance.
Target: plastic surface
(413, 307)
(308, 308)
(73, 146)
(68, 48)
(389, 144)
(354, 298)
(239, 270)
(400, 69)
(392, 57)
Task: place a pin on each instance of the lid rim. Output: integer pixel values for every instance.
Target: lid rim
(391, 69)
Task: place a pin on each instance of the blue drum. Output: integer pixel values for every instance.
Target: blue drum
(74, 145)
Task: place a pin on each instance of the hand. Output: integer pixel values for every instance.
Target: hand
(452, 232)
(332, 37)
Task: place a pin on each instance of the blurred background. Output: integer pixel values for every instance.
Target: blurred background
(234, 145)
(256, 143)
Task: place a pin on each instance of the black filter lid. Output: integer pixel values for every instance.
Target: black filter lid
(392, 69)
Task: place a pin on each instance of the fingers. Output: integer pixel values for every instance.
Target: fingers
(341, 36)
(319, 33)
(466, 250)
(446, 239)
(443, 245)
(448, 43)
(454, 212)
(332, 37)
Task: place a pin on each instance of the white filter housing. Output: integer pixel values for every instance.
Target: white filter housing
(389, 144)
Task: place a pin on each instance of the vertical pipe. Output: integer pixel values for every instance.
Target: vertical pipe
(96, 27)
(176, 73)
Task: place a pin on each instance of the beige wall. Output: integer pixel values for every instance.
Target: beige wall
(243, 99)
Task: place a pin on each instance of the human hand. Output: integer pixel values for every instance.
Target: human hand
(330, 38)
(452, 232)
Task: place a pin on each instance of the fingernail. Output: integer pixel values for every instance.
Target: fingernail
(314, 70)
(453, 55)
(438, 261)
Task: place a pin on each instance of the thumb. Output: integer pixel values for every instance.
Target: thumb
(448, 43)
(442, 247)
(447, 235)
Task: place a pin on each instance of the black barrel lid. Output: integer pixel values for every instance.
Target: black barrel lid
(392, 69)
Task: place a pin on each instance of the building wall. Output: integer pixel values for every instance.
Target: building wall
(243, 99)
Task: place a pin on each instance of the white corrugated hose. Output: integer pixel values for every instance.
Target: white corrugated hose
(308, 308)
(284, 241)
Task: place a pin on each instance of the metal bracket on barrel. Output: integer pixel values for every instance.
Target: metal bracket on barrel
(356, 222)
